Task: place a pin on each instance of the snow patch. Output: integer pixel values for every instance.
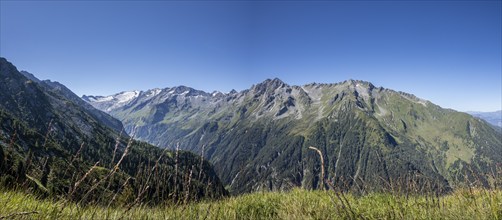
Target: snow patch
(126, 96)
(153, 92)
(114, 101)
(103, 99)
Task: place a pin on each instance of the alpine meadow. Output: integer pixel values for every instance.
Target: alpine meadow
(250, 110)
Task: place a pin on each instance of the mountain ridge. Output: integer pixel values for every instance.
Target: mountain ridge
(494, 118)
(61, 90)
(51, 140)
(355, 124)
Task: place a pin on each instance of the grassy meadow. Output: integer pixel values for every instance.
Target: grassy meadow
(295, 204)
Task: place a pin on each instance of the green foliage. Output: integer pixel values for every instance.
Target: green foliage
(296, 204)
(372, 139)
(72, 151)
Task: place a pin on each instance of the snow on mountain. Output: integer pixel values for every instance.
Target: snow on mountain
(112, 101)
(101, 99)
(126, 96)
(152, 92)
(253, 127)
(116, 101)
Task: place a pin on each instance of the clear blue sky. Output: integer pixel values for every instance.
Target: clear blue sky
(448, 52)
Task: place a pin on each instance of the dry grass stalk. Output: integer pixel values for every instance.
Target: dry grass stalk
(72, 190)
(322, 165)
(113, 171)
(157, 170)
(49, 128)
(176, 170)
(345, 204)
(136, 201)
(117, 143)
(12, 215)
(188, 186)
(77, 154)
(116, 167)
(116, 193)
(201, 161)
(12, 141)
(153, 170)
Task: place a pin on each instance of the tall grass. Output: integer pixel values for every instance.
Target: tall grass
(463, 203)
(90, 193)
(296, 204)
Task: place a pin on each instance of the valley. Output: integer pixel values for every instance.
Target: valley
(251, 110)
(236, 154)
(258, 138)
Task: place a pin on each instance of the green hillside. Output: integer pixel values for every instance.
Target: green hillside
(52, 146)
(370, 136)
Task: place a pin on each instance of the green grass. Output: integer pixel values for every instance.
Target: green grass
(296, 204)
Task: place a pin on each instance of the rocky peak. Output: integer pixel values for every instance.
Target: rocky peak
(269, 86)
(8, 70)
(359, 83)
(188, 91)
(29, 76)
(275, 83)
(181, 89)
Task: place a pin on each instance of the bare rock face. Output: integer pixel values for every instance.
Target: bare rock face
(370, 136)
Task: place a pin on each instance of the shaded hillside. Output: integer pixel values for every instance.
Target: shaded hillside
(54, 144)
(371, 138)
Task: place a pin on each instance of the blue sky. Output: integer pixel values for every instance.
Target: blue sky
(448, 52)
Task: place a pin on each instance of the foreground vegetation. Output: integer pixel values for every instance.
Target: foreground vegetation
(296, 204)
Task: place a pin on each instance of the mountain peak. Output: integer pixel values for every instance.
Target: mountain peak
(272, 122)
(269, 85)
(355, 82)
(277, 81)
(29, 76)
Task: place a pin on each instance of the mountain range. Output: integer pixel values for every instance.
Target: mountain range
(494, 118)
(368, 138)
(54, 144)
(371, 138)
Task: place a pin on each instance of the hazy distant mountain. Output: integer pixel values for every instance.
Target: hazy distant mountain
(258, 139)
(49, 137)
(494, 118)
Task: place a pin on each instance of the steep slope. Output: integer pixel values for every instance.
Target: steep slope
(58, 89)
(50, 139)
(494, 118)
(371, 138)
